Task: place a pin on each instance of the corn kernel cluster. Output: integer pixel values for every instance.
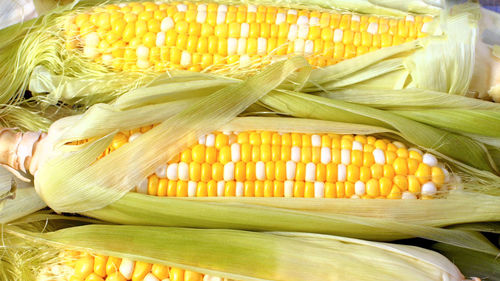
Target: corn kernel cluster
(88, 267)
(271, 164)
(195, 36)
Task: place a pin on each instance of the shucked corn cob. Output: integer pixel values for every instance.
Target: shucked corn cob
(87, 267)
(270, 164)
(193, 36)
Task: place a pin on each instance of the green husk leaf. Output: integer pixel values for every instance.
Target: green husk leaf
(301, 105)
(472, 263)
(382, 220)
(92, 187)
(420, 99)
(491, 227)
(244, 255)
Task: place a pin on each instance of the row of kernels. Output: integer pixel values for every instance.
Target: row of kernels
(373, 188)
(99, 268)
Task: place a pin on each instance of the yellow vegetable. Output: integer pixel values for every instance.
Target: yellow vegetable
(200, 36)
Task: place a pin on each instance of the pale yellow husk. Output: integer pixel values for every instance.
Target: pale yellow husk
(242, 255)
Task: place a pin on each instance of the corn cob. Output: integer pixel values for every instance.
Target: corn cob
(193, 36)
(84, 266)
(271, 164)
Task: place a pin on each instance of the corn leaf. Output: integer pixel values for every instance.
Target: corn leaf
(472, 263)
(244, 255)
(382, 220)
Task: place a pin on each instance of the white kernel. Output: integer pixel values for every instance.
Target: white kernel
(429, 159)
(280, 18)
(310, 172)
(222, 8)
(143, 64)
(172, 173)
(107, 59)
(210, 140)
(295, 154)
(92, 39)
(127, 268)
(201, 7)
(235, 152)
(201, 17)
(292, 32)
(309, 48)
(372, 28)
(341, 172)
(303, 31)
(185, 58)
(229, 171)
(261, 46)
(245, 30)
(161, 171)
(410, 18)
(220, 188)
(292, 12)
(183, 171)
(202, 139)
(319, 189)
(408, 195)
(221, 17)
(181, 8)
(345, 156)
(192, 185)
(355, 196)
(291, 167)
(239, 188)
(360, 188)
(260, 170)
(90, 52)
(242, 46)
(232, 45)
(316, 140)
(429, 189)
(142, 187)
(356, 145)
(326, 155)
(379, 156)
(338, 34)
(355, 18)
(166, 24)
(160, 39)
(298, 46)
(252, 9)
(150, 277)
(245, 61)
(399, 144)
(133, 137)
(303, 20)
(142, 52)
(288, 189)
(314, 21)
(425, 27)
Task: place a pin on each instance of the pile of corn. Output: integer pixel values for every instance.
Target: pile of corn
(227, 140)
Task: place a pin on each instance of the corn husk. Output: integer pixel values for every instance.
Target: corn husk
(470, 262)
(242, 255)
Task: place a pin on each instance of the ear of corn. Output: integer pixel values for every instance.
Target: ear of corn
(196, 36)
(70, 70)
(230, 254)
